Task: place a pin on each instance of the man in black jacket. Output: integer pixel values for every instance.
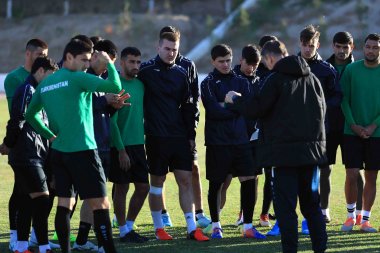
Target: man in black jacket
(343, 45)
(27, 155)
(169, 112)
(228, 150)
(290, 95)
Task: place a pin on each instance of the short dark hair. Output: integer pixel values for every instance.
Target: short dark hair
(130, 51)
(83, 38)
(265, 39)
(170, 29)
(251, 54)
(343, 38)
(95, 39)
(170, 36)
(108, 47)
(220, 50)
(310, 32)
(275, 47)
(372, 36)
(43, 62)
(35, 43)
(77, 47)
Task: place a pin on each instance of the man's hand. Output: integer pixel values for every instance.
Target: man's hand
(360, 131)
(117, 101)
(102, 57)
(4, 150)
(370, 130)
(230, 96)
(124, 161)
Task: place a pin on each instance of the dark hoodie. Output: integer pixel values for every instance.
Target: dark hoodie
(291, 108)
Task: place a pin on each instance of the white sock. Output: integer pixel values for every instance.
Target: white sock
(130, 223)
(326, 212)
(358, 212)
(114, 217)
(44, 248)
(216, 225)
(190, 221)
(124, 230)
(13, 235)
(157, 219)
(366, 215)
(247, 226)
(351, 210)
(22, 246)
(242, 217)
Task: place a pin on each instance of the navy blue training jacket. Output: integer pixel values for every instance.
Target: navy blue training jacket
(223, 126)
(169, 108)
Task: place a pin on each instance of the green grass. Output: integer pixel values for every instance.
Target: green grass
(338, 241)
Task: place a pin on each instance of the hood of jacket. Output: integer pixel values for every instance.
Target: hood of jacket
(292, 65)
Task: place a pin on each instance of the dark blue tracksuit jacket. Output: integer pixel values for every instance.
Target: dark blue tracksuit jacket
(223, 126)
(169, 108)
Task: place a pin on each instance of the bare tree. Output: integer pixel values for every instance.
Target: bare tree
(9, 9)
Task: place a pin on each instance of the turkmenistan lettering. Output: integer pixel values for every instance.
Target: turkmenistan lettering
(54, 86)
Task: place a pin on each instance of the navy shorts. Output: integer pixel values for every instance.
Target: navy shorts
(166, 154)
(138, 173)
(229, 159)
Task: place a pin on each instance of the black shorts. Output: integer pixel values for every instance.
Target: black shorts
(138, 173)
(78, 171)
(333, 140)
(362, 153)
(257, 170)
(230, 159)
(30, 179)
(167, 154)
(105, 158)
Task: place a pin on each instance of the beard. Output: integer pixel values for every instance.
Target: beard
(371, 59)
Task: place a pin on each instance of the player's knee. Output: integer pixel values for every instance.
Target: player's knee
(155, 190)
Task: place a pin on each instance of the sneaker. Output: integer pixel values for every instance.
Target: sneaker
(25, 251)
(162, 235)
(253, 233)
(275, 231)
(12, 245)
(133, 237)
(87, 246)
(207, 230)
(305, 227)
(239, 220)
(203, 222)
(264, 220)
(217, 233)
(166, 220)
(359, 218)
(73, 238)
(366, 227)
(327, 218)
(197, 235)
(348, 225)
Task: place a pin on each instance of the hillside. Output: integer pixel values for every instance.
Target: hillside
(195, 19)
